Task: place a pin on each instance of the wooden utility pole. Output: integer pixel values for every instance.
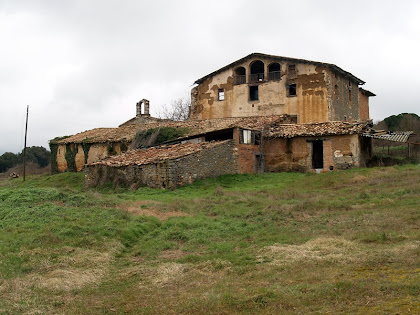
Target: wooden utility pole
(24, 149)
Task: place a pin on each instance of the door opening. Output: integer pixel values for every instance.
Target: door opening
(317, 154)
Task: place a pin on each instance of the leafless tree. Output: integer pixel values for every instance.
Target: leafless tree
(178, 110)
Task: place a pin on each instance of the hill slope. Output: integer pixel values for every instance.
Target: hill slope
(275, 243)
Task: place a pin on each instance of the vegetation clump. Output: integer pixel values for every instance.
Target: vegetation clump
(156, 136)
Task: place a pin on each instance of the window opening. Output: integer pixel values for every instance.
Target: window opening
(240, 76)
(253, 93)
(257, 71)
(221, 93)
(249, 137)
(246, 136)
(274, 71)
(292, 90)
(292, 71)
(349, 95)
(317, 154)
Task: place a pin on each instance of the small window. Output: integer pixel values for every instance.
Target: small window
(350, 95)
(221, 93)
(292, 70)
(246, 136)
(291, 90)
(250, 137)
(253, 93)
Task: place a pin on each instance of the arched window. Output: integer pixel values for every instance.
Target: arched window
(257, 71)
(240, 76)
(274, 71)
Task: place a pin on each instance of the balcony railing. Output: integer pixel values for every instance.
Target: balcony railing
(239, 79)
(274, 75)
(256, 77)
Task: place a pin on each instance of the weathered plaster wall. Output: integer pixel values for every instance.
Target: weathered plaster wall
(209, 162)
(310, 104)
(295, 154)
(322, 95)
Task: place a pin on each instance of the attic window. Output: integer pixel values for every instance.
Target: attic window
(221, 93)
(291, 90)
(253, 93)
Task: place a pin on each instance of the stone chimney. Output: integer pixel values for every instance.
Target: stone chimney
(146, 108)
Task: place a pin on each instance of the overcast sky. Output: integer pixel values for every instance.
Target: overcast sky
(83, 64)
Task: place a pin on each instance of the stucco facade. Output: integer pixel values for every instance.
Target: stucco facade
(260, 85)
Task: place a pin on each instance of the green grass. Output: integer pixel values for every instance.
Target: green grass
(340, 242)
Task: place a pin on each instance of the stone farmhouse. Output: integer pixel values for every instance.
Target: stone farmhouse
(261, 113)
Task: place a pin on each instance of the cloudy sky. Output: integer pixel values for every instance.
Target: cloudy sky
(82, 64)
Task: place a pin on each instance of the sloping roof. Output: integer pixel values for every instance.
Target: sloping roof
(366, 92)
(397, 136)
(316, 129)
(194, 127)
(156, 154)
(280, 58)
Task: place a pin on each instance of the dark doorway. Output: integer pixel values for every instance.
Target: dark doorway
(317, 154)
(259, 164)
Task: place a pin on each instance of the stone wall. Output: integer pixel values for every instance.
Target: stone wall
(209, 162)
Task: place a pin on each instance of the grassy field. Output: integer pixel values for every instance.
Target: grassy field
(342, 242)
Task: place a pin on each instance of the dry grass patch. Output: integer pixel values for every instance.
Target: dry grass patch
(151, 209)
(319, 249)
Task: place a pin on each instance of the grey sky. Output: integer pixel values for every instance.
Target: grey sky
(83, 64)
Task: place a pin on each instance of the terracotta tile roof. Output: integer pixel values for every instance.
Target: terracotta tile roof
(316, 129)
(156, 154)
(195, 127)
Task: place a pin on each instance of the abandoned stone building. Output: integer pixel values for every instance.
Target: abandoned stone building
(260, 84)
(261, 113)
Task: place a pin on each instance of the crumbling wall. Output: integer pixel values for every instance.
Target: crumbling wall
(295, 154)
(72, 157)
(310, 103)
(209, 162)
(345, 100)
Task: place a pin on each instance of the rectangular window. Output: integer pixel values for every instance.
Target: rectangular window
(246, 136)
(291, 90)
(221, 94)
(250, 137)
(253, 93)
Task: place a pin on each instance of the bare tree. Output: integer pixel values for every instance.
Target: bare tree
(178, 110)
